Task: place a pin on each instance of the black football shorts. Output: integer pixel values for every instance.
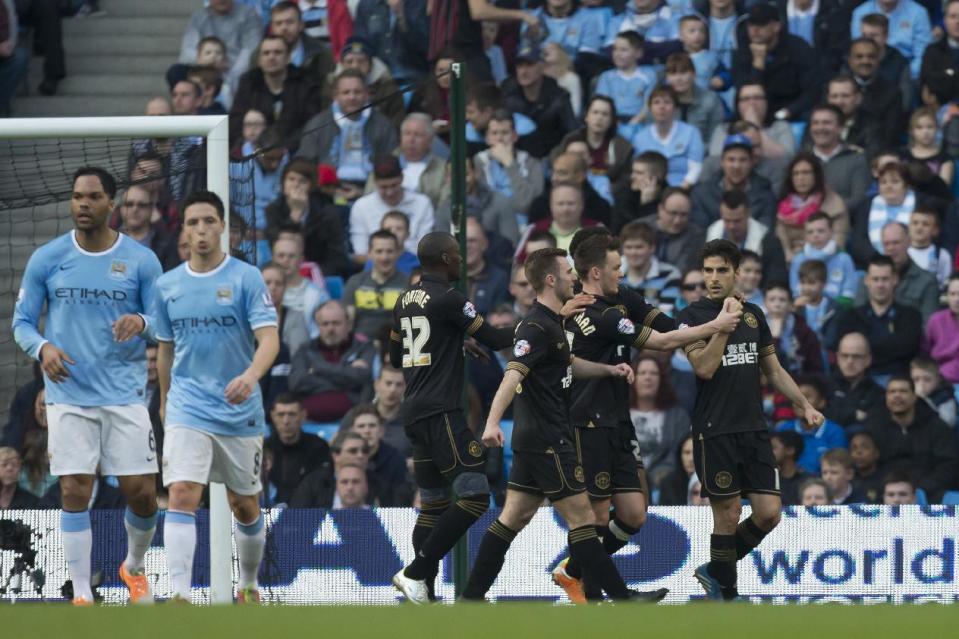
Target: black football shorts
(610, 459)
(552, 475)
(735, 464)
(443, 448)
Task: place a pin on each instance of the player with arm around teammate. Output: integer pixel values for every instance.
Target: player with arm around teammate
(97, 285)
(732, 450)
(217, 329)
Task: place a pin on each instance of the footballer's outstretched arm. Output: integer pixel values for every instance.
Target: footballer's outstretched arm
(585, 369)
(706, 359)
(725, 322)
(493, 434)
(781, 380)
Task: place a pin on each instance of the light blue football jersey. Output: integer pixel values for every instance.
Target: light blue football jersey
(210, 317)
(85, 293)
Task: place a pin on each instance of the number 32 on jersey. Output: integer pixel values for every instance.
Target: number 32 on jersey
(416, 332)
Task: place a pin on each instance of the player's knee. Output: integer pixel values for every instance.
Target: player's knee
(75, 491)
(632, 518)
(433, 496)
(767, 520)
(471, 485)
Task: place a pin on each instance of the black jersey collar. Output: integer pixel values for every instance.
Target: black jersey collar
(429, 277)
(545, 309)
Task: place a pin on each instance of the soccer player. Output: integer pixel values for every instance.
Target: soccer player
(606, 444)
(732, 452)
(540, 375)
(98, 288)
(430, 321)
(210, 310)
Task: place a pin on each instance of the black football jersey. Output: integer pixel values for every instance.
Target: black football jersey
(730, 402)
(603, 333)
(639, 311)
(541, 407)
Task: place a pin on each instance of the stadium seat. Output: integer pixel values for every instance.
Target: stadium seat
(951, 498)
(334, 286)
(326, 431)
(921, 498)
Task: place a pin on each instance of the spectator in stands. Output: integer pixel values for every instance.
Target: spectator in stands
(210, 54)
(787, 448)
(782, 62)
(352, 487)
(846, 170)
(736, 174)
(627, 83)
(915, 287)
(823, 25)
(210, 81)
(655, 21)
(295, 454)
(570, 168)
(254, 124)
(399, 34)
(318, 489)
(924, 227)
(388, 392)
(186, 97)
(797, 346)
(815, 492)
(559, 66)
(821, 244)
(539, 98)
(148, 172)
(933, 389)
(292, 325)
(941, 338)
(816, 439)
(521, 291)
(302, 295)
(137, 209)
(423, 172)
(838, 472)
(12, 496)
(861, 129)
(712, 74)
(677, 239)
(35, 475)
(737, 225)
(348, 133)
(367, 212)
(370, 295)
(940, 61)
(310, 54)
(909, 28)
(357, 54)
(278, 87)
(398, 223)
(44, 17)
(386, 463)
(680, 143)
(752, 105)
(333, 372)
(640, 197)
(236, 24)
(267, 176)
(819, 311)
(852, 392)
(805, 194)
(487, 282)
(159, 105)
(657, 281)
(749, 278)
(698, 107)
(673, 487)
(505, 169)
(898, 489)
(883, 98)
(14, 59)
(659, 422)
(924, 146)
(912, 439)
(303, 207)
(865, 457)
(432, 95)
(493, 209)
(566, 214)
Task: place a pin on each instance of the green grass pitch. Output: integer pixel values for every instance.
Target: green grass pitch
(502, 621)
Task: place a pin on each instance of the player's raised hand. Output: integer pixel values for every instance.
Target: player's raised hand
(240, 387)
(728, 319)
(733, 304)
(128, 327)
(493, 435)
(576, 304)
(623, 370)
(813, 416)
(471, 346)
(52, 362)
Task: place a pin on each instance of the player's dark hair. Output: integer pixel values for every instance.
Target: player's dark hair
(902, 378)
(584, 234)
(107, 181)
(541, 263)
(733, 199)
(725, 249)
(383, 234)
(431, 248)
(791, 439)
(286, 398)
(816, 382)
(881, 260)
(204, 197)
(593, 252)
(814, 270)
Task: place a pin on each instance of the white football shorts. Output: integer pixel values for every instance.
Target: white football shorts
(117, 438)
(201, 457)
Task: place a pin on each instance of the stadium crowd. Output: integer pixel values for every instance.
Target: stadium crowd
(820, 136)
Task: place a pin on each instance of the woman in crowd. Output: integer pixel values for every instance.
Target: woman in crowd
(941, 340)
(659, 422)
(432, 96)
(674, 485)
(752, 106)
(35, 475)
(805, 192)
(895, 202)
(924, 147)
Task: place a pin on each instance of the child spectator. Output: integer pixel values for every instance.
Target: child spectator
(841, 278)
(398, 223)
(797, 346)
(865, 457)
(818, 310)
(559, 66)
(211, 52)
(494, 53)
(711, 74)
(657, 281)
(931, 387)
(924, 146)
(816, 439)
(923, 233)
(628, 84)
(804, 193)
(941, 340)
(749, 276)
(787, 447)
(815, 492)
(680, 143)
(838, 473)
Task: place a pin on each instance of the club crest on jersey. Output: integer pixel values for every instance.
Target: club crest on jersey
(521, 348)
(625, 327)
(750, 320)
(224, 295)
(118, 269)
(579, 474)
(469, 310)
(723, 479)
(602, 481)
(475, 449)
(267, 300)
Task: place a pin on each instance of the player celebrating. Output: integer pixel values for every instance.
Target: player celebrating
(544, 459)
(98, 286)
(209, 310)
(605, 441)
(733, 455)
(430, 321)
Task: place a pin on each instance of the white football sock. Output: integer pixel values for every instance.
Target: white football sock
(179, 538)
(77, 547)
(139, 535)
(250, 539)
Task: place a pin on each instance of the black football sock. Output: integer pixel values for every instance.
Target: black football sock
(599, 572)
(425, 522)
(489, 561)
(614, 536)
(573, 569)
(450, 526)
(748, 536)
(722, 565)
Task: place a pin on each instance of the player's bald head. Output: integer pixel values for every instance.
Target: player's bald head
(431, 248)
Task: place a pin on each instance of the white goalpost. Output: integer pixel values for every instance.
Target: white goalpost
(215, 129)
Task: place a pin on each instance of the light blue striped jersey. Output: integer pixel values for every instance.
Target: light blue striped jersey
(682, 148)
(629, 92)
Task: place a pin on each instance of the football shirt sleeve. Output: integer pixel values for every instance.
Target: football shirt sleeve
(29, 305)
(529, 348)
(259, 305)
